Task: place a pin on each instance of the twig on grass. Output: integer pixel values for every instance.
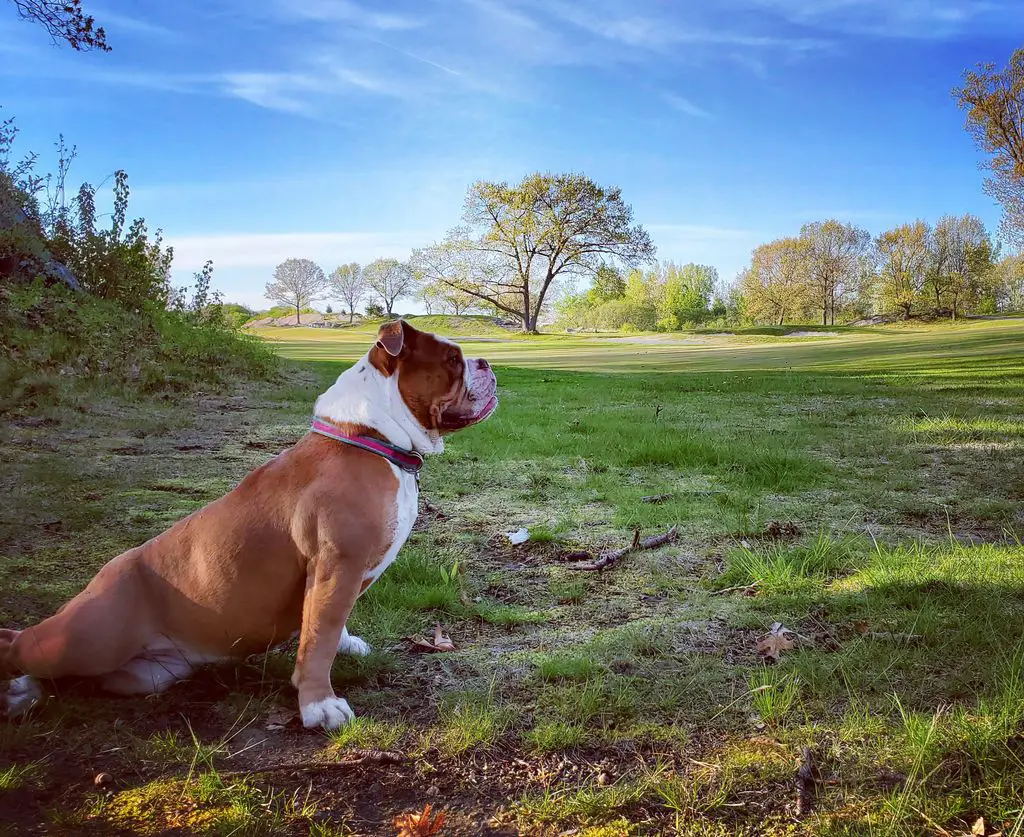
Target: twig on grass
(746, 588)
(805, 779)
(359, 757)
(606, 559)
(909, 639)
(656, 498)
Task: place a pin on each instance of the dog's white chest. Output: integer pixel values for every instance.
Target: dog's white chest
(406, 507)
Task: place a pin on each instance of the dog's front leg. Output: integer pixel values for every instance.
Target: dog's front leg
(331, 591)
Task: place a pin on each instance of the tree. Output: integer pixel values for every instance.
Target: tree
(349, 285)
(687, 295)
(390, 280)
(64, 20)
(518, 240)
(1007, 279)
(297, 283)
(961, 257)
(374, 310)
(834, 253)
(994, 102)
(776, 285)
(445, 299)
(903, 256)
(608, 284)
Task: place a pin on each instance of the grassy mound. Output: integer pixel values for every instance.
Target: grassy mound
(58, 342)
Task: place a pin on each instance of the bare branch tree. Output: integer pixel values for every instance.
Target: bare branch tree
(64, 20)
(349, 285)
(390, 280)
(298, 283)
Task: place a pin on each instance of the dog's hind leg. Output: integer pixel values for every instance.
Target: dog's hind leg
(96, 633)
(147, 674)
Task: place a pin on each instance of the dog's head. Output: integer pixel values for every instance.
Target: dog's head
(443, 390)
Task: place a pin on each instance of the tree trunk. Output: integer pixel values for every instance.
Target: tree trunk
(298, 320)
(351, 315)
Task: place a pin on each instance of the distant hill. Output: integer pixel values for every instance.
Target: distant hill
(466, 325)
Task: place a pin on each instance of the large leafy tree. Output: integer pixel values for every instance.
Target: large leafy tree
(1007, 283)
(518, 240)
(961, 258)
(687, 295)
(993, 99)
(835, 253)
(349, 285)
(389, 280)
(608, 284)
(903, 260)
(64, 20)
(297, 283)
(776, 286)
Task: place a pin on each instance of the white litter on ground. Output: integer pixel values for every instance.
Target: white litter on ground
(518, 537)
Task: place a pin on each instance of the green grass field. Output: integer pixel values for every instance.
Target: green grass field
(863, 489)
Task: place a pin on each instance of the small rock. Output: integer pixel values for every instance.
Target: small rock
(433, 790)
(103, 780)
(604, 778)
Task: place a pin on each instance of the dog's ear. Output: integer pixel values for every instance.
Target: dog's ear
(391, 337)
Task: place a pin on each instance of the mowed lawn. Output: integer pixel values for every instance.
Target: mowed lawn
(864, 490)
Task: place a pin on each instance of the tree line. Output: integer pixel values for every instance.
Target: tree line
(837, 271)
(521, 248)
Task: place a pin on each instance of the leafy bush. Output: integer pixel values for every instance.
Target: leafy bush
(129, 329)
(55, 338)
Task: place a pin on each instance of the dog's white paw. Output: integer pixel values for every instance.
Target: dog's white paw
(329, 713)
(357, 646)
(23, 693)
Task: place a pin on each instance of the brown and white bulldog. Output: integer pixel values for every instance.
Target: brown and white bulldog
(289, 550)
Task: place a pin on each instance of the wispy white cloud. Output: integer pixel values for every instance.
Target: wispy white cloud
(684, 105)
(255, 250)
(926, 19)
(115, 23)
(275, 91)
(658, 32)
(344, 11)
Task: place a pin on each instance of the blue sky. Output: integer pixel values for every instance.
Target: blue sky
(344, 131)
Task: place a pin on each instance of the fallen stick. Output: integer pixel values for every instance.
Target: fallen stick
(891, 637)
(743, 587)
(606, 559)
(805, 783)
(361, 757)
(656, 498)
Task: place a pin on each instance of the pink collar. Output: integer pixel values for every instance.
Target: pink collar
(408, 460)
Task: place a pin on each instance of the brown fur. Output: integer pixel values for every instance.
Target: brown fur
(287, 550)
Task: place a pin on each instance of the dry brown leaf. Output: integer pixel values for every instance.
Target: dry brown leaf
(772, 646)
(278, 718)
(421, 824)
(440, 642)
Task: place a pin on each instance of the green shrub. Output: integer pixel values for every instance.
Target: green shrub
(56, 338)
